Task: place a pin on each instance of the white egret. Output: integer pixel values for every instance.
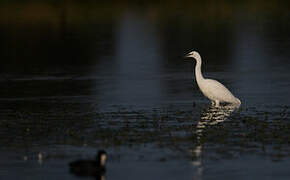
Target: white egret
(210, 88)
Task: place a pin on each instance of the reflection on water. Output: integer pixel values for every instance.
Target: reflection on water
(211, 116)
(214, 115)
(40, 158)
(137, 60)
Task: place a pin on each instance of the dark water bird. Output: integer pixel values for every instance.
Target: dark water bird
(212, 89)
(94, 168)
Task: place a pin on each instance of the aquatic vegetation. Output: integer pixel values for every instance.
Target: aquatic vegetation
(244, 131)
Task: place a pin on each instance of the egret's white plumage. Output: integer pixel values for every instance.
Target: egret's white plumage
(210, 88)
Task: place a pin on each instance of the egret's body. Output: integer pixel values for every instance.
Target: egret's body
(210, 88)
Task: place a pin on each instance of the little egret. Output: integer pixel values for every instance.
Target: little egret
(210, 88)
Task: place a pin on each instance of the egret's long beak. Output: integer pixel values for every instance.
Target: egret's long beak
(186, 56)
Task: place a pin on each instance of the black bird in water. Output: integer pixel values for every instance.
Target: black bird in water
(94, 168)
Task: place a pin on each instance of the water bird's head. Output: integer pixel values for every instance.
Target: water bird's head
(102, 157)
(193, 54)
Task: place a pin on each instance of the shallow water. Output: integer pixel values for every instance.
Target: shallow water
(79, 77)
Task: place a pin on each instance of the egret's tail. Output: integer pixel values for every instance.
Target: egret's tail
(238, 101)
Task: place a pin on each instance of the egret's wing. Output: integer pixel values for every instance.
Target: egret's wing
(218, 90)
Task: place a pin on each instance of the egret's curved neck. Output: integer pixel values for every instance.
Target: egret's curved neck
(198, 74)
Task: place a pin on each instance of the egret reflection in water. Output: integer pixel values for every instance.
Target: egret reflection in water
(211, 116)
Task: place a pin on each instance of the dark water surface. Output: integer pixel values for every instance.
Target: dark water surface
(80, 76)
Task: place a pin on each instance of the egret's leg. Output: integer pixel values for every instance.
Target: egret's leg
(217, 103)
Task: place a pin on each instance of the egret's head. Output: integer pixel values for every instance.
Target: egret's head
(193, 54)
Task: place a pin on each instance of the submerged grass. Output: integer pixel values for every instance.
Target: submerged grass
(244, 131)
